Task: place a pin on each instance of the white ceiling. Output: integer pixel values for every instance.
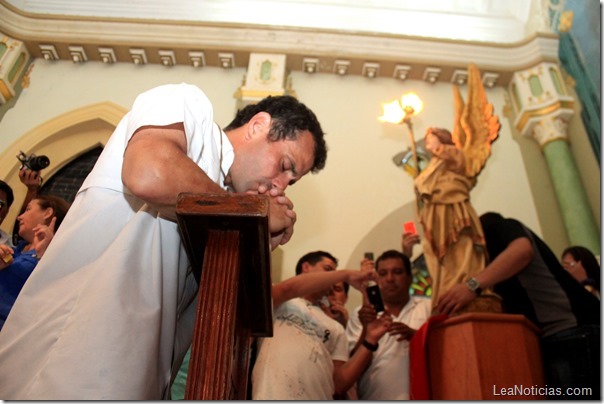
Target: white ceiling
(499, 21)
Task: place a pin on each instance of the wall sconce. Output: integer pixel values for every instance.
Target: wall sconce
(197, 59)
(78, 54)
(139, 57)
(341, 67)
(400, 112)
(431, 74)
(401, 72)
(226, 60)
(370, 70)
(310, 65)
(167, 57)
(107, 55)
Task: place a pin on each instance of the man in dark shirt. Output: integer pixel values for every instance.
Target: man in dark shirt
(527, 275)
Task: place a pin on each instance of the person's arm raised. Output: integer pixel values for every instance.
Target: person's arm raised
(309, 283)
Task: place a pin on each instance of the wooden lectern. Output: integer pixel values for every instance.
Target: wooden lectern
(484, 356)
(227, 239)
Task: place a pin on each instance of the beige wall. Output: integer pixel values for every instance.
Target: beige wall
(357, 203)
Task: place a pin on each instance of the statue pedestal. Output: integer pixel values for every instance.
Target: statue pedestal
(484, 356)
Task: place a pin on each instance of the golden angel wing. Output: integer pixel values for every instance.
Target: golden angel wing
(475, 126)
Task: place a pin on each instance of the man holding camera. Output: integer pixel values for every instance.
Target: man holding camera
(387, 376)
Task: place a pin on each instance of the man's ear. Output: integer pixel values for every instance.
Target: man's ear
(305, 266)
(258, 125)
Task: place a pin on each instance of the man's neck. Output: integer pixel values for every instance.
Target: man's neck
(395, 307)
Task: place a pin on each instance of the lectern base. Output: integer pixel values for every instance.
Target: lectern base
(484, 356)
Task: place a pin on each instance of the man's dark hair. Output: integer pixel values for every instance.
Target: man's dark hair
(397, 255)
(10, 197)
(312, 258)
(489, 219)
(289, 117)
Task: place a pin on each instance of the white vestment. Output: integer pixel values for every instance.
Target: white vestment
(109, 310)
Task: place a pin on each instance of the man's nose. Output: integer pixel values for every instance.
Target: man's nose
(281, 182)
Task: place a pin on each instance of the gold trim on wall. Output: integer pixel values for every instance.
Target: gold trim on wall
(527, 115)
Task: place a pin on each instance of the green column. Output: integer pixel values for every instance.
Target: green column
(576, 213)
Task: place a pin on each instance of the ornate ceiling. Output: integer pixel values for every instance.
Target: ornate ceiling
(424, 40)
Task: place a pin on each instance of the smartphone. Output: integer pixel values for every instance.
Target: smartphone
(409, 227)
(369, 256)
(375, 297)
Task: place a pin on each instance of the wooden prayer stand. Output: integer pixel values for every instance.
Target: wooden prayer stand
(227, 239)
(474, 356)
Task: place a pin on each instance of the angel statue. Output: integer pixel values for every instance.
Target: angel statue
(453, 242)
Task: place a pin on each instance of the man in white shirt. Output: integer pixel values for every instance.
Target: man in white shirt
(387, 376)
(307, 357)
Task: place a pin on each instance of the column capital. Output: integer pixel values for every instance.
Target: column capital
(541, 102)
(550, 128)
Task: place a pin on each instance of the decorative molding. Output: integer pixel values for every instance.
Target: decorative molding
(460, 77)
(226, 60)
(490, 79)
(310, 65)
(238, 40)
(139, 56)
(370, 69)
(49, 52)
(78, 54)
(197, 58)
(431, 74)
(107, 55)
(341, 67)
(401, 72)
(167, 57)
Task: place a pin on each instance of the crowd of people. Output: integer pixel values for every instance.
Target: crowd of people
(110, 285)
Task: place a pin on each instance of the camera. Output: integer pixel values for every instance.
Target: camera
(33, 162)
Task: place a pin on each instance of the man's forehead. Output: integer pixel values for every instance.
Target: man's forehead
(388, 263)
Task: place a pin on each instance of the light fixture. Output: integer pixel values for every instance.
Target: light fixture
(400, 112)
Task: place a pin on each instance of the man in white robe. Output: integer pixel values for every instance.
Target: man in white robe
(108, 313)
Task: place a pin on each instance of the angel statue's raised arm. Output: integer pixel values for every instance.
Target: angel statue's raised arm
(453, 242)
